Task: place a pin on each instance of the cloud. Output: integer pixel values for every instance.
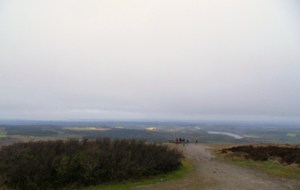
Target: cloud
(149, 59)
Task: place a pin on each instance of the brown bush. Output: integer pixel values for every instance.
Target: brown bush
(286, 154)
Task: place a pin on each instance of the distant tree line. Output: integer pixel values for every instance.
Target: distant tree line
(76, 163)
(287, 155)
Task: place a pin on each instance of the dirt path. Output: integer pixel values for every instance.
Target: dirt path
(212, 174)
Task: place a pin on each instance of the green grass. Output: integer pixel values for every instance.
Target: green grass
(3, 134)
(291, 135)
(184, 170)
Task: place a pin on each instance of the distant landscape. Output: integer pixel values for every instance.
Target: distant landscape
(164, 131)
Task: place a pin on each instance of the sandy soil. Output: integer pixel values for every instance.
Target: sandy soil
(209, 173)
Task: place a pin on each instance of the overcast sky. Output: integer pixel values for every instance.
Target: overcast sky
(149, 59)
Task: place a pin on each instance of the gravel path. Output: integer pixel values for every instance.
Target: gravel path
(212, 174)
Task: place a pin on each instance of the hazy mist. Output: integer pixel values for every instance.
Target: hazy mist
(158, 59)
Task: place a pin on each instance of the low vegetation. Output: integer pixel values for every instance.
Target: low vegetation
(282, 160)
(284, 154)
(79, 163)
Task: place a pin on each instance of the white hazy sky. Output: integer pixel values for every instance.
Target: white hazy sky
(149, 59)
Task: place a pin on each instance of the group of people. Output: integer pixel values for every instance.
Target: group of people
(184, 141)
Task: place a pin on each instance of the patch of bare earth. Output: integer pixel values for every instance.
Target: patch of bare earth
(210, 173)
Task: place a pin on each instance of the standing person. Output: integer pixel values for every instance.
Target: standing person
(196, 140)
(176, 140)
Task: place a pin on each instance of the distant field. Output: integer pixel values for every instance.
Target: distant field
(3, 133)
(291, 134)
(87, 129)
